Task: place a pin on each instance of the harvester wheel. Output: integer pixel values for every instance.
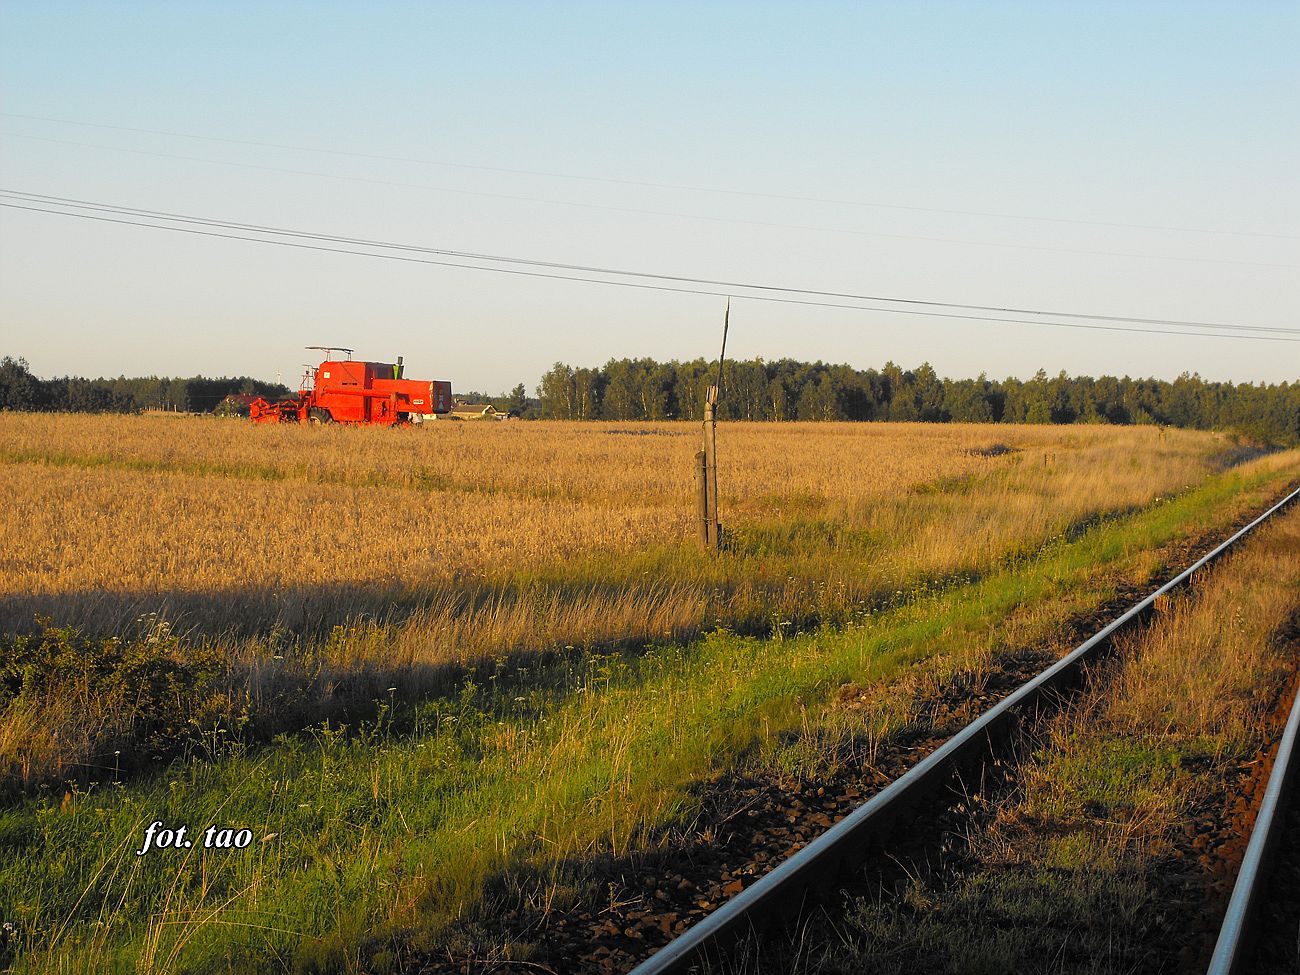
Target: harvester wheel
(316, 416)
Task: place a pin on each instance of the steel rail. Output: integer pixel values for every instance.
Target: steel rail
(843, 845)
(1235, 936)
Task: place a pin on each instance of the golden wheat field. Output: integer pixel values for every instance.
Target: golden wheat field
(482, 537)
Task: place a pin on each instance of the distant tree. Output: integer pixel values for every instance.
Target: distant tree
(818, 401)
(690, 381)
(557, 393)
(857, 394)
(1037, 399)
(1060, 402)
(744, 395)
(903, 407)
(588, 389)
(656, 382)
(623, 390)
(19, 389)
(929, 394)
(88, 396)
(966, 401)
(778, 399)
(517, 401)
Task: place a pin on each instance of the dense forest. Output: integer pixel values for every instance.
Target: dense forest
(20, 390)
(643, 389)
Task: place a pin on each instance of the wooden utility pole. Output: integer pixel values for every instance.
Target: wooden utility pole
(706, 461)
(710, 452)
(702, 495)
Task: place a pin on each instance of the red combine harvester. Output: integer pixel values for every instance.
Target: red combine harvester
(369, 393)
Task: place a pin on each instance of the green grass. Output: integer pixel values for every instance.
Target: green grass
(1065, 887)
(1099, 776)
(387, 834)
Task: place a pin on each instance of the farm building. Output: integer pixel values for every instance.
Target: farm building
(475, 411)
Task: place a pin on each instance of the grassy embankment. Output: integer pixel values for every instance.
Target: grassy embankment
(1100, 860)
(380, 838)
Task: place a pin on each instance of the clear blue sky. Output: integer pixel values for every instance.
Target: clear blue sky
(1156, 114)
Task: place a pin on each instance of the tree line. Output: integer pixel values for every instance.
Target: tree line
(644, 389)
(20, 390)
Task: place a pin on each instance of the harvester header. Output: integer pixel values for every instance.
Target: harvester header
(358, 393)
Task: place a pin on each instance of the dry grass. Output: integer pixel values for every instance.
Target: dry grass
(767, 466)
(531, 532)
(81, 539)
(1210, 669)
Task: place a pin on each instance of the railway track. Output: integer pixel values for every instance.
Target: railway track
(836, 853)
(1242, 921)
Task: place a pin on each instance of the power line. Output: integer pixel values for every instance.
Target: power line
(663, 213)
(589, 269)
(644, 183)
(649, 287)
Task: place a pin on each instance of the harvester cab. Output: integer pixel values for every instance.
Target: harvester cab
(357, 393)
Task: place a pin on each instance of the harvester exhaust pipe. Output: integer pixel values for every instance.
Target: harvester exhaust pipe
(397, 369)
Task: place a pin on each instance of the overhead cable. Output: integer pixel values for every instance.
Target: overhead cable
(640, 286)
(79, 204)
